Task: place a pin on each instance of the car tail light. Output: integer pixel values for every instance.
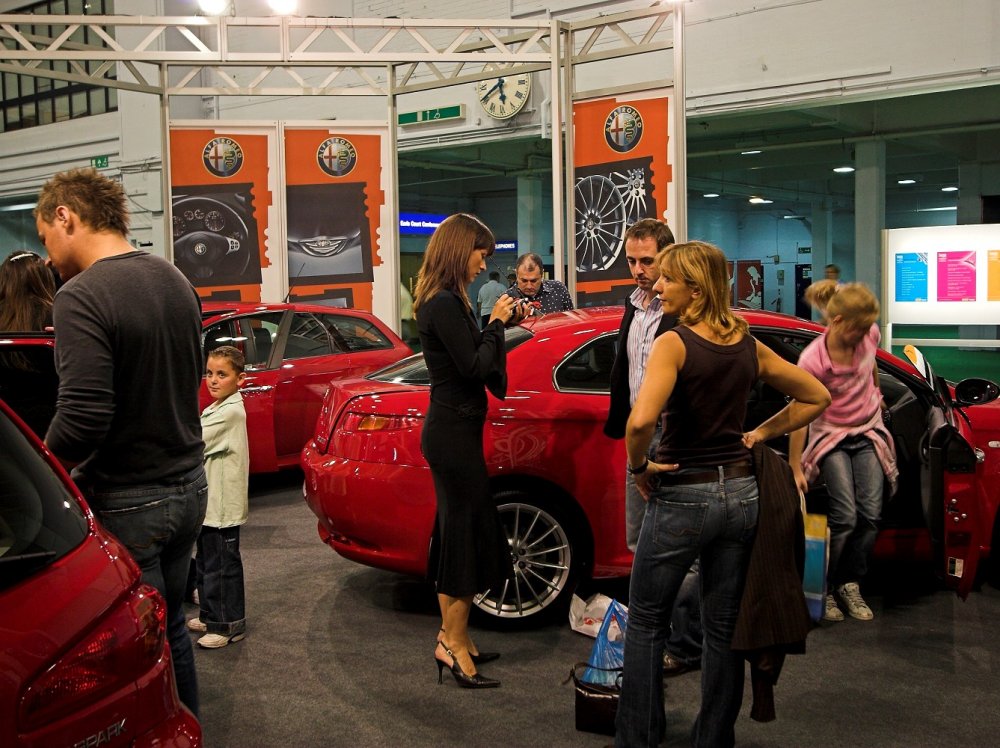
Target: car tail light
(371, 422)
(125, 645)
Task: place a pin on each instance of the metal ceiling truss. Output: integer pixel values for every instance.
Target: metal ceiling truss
(309, 56)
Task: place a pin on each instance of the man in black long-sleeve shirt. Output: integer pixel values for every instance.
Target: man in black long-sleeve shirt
(128, 354)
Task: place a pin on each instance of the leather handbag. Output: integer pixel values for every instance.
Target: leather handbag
(596, 703)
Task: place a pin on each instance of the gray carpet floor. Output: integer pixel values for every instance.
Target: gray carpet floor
(338, 654)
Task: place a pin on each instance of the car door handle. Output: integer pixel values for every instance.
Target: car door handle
(258, 388)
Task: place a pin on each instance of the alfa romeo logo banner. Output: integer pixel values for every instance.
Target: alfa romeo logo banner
(622, 172)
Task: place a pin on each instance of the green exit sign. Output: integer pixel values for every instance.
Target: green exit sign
(99, 162)
(425, 116)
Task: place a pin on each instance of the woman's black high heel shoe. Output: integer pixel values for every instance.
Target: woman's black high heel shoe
(480, 657)
(465, 681)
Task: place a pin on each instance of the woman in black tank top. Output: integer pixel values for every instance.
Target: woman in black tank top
(701, 492)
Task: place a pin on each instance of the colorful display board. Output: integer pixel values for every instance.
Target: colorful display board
(945, 275)
(622, 172)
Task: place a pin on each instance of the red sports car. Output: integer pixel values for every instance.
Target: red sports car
(85, 659)
(559, 482)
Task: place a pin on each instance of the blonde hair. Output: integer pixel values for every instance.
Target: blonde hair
(855, 304)
(446, 261)
(818, 294)
(704, 267)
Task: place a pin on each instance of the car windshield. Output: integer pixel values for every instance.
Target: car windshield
(413, 370)
(40, 521)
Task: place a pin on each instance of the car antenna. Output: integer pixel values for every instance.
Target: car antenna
(289, 294)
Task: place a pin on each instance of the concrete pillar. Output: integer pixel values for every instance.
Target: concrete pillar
(869, 212)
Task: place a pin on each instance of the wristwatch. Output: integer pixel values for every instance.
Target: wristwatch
(639, 470)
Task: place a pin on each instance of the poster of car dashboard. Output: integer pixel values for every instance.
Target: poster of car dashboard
(221, 196)
(622, 172)
(943, 275)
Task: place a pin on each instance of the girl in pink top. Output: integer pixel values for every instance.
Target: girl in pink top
(848, 445)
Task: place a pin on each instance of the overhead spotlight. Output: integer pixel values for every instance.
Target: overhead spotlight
(711, 194)
(843, 169)
(935, 210)
(213, 7)
(749, 153)
(906, 181)
(283, 7)
(760, 200)
(949, 189)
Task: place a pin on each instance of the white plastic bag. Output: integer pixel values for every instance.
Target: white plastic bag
(587, 617)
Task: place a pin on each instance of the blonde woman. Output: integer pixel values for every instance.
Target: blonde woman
(701, 490)
(463, 362)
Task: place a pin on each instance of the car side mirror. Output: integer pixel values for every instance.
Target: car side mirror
(975, 391)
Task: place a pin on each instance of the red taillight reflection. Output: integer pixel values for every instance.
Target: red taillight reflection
(123, 646)
(368, 422)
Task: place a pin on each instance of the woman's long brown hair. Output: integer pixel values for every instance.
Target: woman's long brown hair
(446, 261)
(26, 292)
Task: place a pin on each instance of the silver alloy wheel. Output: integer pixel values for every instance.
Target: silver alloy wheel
(542, 556)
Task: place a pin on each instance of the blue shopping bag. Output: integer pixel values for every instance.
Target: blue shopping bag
(608, 652)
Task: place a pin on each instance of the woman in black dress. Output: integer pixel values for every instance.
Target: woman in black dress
(463, 362)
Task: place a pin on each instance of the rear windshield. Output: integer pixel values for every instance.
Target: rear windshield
(40, 521)
(413, 370)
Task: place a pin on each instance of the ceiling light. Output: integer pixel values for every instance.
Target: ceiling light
(16, 207)
(934, 210)
(283, 7)
(213, 7)
(906, 181)
(711, 194)
(799, 217)
(949, 189)
(760, 200)
(843, 169)
(748, 153)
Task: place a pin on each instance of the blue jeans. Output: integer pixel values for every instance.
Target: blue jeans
(716, 523)
(853, 477)
(220, 581)
(159, 526)
(684, 640)
(635, 505)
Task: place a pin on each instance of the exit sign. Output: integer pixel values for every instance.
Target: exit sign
(425, 116)
(99, 162)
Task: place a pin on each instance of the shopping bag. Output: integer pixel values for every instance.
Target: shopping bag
(587, 617)
(817, 559)
(607, 656)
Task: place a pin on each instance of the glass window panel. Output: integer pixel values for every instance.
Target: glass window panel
(78, 104)
(112, 99)
(27, 84)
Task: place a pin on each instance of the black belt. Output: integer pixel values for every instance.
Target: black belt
(732, 470)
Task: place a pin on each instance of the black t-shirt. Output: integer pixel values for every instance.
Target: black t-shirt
(128, 354)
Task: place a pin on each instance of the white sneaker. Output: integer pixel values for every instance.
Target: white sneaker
(195, 624)
(856, 606)
(831, 611)
(216, 641)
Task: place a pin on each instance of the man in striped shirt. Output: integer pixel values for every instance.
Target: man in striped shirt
(642, 323)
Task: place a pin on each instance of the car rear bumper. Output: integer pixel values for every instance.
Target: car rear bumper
(376, 514)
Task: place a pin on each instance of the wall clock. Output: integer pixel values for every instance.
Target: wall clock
(503, 97)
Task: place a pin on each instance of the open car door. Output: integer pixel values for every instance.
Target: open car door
(950, 488)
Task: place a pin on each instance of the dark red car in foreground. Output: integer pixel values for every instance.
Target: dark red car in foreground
(84, 659)
(559, 482)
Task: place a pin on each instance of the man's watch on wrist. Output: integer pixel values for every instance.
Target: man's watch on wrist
(639, 470)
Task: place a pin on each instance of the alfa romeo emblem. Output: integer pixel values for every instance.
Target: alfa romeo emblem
(623, 128)
(223, 157)
(336, 156)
